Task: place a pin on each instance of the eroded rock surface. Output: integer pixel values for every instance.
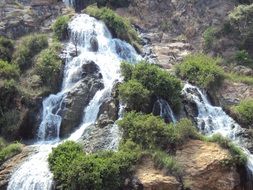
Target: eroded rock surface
(203, 169)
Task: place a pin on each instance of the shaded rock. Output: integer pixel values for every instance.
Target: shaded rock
(203, 169)
(108, 111)
(79, 97)
(93, 44)
(8, 167)
(150, 178)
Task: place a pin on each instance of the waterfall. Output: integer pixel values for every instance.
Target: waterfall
(34, 173)
(162, 108)
(212, 119)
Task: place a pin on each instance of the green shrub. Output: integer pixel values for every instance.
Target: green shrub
(152, 132)
(201, 70)
(8, 71)
(28, 47)
(119, 26)
(10, 151)
(6, 49)
(241, 19)
(60, 27)
(167, 162)
(48, 66)
(9, 122)
(126, 70)
(209, 37)
(2, 143)
(135, 95)
(238, 156)
(243, 58)
(245, 111)
(73, 169)
(159, 82)
(8, 93)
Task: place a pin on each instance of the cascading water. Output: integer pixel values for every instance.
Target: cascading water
(34, 173)
(212, 120)
(164, 109)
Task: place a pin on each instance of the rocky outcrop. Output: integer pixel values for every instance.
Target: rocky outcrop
(17, 19)
(79, 97)
(150, 178)
(8, 167)
(231, 93)
(203, 169)
(96, 139)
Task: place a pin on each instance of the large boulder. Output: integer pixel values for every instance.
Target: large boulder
(79, 97)
(203, 169)
(150, 178)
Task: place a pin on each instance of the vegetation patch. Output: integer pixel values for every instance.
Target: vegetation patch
(244, 112)
(119, 26)
(28, 47)
(209, 37)
(60, 27)
(9, 151)
(201, 70)
(167, 162)
(8, 71)
(238, 156)
(74, 169)
(135, 95)
(159, 82)
(48, 66)
(151, 132)
(6, 49)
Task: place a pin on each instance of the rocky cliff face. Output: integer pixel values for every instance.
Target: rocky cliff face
(202, 169)
(18, 19)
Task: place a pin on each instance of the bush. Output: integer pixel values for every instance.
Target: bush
(8, 93)
(8, 71)
(152, 132)
(6, 49)
(238, 156)
(243, 58)
(209, 37)
(167, 162)
(119, 26)
(241, 19)
(48, 66)
(201, 70)
(9, 122)
(126, 70)
(135, 95)
(159, 82)
(245, 111)
(29, 46)
(60, 27)
(75, 170)
(10, 151)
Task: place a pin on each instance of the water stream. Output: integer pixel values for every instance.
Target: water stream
(34, 173)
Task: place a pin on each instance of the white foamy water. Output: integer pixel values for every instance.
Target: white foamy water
(34, 173)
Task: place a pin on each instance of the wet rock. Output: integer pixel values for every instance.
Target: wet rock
(108, 111)
(203, 169)
(95, 138)
(94, 44)
(79, 97)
